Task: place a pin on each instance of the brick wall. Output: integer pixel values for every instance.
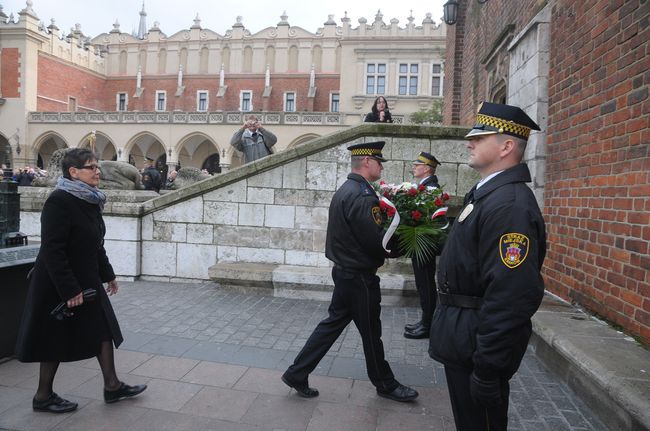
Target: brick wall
(10, 72)
(598, 160)
(58, 80)
(477, 30)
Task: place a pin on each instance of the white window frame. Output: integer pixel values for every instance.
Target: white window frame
(376, 75)
(440, 75)
(126, 101)
(198, 100)
(286, 100)
(409, 75)
(338, 101)
(164, 94)
(241, 100)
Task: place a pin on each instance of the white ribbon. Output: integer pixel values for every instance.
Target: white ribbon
(393, 224)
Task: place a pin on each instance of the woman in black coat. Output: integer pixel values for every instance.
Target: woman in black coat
(72, 259)
(380, 112)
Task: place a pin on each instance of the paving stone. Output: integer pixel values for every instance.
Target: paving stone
(280, 412)
(220, 403)
(330, 416)
(99, 416)
(165, 367)
(215, 374)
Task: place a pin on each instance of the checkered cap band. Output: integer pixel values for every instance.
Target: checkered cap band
(366, 152)
(504, 126)
(426, 161)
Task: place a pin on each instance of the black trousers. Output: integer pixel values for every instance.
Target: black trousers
(425, 282)
(468, 415)
(356, 298)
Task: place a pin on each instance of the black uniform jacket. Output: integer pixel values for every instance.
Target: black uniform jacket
(495, 253)
(371, 117)
(71, 258)
(354, 230)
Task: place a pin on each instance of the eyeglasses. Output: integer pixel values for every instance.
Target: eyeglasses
(93, 168)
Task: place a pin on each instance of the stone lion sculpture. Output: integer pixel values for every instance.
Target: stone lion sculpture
(187, 176)
(114, 175)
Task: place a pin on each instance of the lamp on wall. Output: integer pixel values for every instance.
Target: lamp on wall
(450, 11)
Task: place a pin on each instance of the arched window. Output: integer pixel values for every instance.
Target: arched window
(270, 58)
(317, 58)
(142, 58)
(204, 59)
(247, 63)
(293, 59)
(182, 58)
(225, 59)
(123, 57)
(162, 61)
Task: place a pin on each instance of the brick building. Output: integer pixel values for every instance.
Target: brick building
(581, 70)
(179, 98)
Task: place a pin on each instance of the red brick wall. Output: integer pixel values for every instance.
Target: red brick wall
(58, 80)
(597, 199)
(469, 41)
(10, 72)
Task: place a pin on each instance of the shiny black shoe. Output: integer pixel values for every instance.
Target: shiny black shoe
(303, 389)
(417, 333)
(125, 391)
(411, 326)
(401, 393)
(53, 404)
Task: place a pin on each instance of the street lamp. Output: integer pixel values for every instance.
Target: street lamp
(450, 11)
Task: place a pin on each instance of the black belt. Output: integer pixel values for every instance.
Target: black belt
(462, 301)
(356, 270)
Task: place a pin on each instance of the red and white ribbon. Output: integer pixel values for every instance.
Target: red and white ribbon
(393, 224)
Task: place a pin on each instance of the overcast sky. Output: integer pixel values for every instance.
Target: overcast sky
(98, 16)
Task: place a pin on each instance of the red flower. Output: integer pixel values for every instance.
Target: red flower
(386, 195)
(416, 215)
(422, 187)
(412, 192)
(438, 202)
(390, 211)
(382, 183)
(445, 196)
(383, 205)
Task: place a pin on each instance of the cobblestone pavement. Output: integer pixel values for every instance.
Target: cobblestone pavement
(202, 321)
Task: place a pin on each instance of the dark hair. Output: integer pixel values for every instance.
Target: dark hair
(374, 105)
(74, 158)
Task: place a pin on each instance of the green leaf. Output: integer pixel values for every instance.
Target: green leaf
(421, 242)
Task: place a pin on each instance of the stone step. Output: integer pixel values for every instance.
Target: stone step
(308, 282)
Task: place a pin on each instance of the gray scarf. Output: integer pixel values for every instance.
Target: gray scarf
(83, 191)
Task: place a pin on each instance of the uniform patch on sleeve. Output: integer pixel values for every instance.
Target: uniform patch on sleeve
(376, 214)
(513, 248)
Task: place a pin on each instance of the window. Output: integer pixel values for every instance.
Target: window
(408, 79)
(161, 100)
(436, 79)
(290, 102)
(376, 78)
(202, 100)
(334, 102)
(246, 101)
(122, 101)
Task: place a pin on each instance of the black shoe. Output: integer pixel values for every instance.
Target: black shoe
(53, 404)
(411, 326)
(303, 389)
(401, 393)
(421, 331)
(125, 391)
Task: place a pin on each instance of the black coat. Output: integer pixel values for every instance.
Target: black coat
(354, 231)
(371, 117)
(71, 258)
(480, 259)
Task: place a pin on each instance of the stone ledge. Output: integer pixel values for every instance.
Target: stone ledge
(609, 370)
(306, 282)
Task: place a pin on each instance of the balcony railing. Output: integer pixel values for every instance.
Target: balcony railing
(178, 117)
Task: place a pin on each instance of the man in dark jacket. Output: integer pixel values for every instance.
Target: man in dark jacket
(354, 244)
(424, 170)
(151, 178)
(489, 279)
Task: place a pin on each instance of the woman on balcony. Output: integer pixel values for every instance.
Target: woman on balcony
(380, 112)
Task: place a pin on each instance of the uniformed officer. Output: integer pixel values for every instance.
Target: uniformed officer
(354, 244)
(424, 170)
(151, 178)
(489, 281)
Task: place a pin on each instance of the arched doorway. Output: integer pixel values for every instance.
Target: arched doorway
(199, 150)
(211, 164)
(46, 146)
(104, 147)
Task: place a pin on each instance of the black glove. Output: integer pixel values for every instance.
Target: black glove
(486, 393)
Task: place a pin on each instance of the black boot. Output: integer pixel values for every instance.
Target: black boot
(412, 326)
(421, 331)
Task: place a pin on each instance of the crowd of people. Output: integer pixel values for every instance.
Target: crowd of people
(476, 317)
